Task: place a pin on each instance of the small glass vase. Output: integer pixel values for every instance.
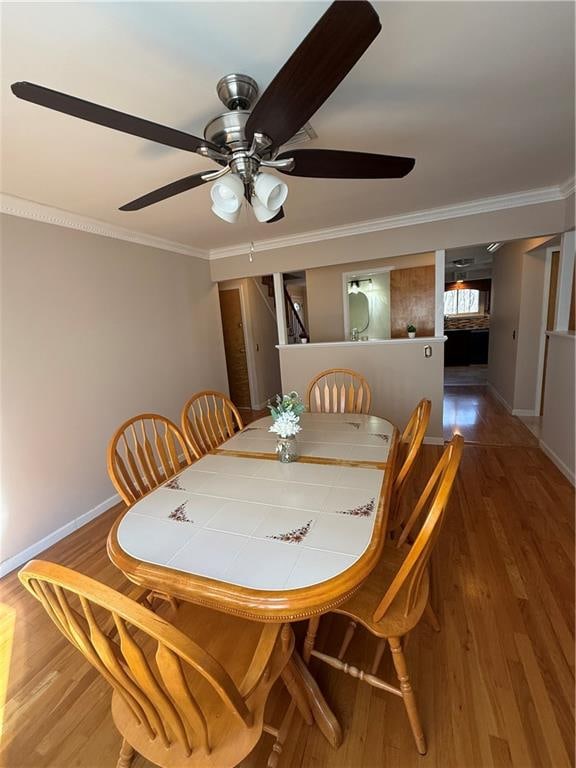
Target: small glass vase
(286, 449)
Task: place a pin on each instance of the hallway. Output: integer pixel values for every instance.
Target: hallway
(474, 413)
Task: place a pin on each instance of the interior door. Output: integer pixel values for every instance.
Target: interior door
(235, 347)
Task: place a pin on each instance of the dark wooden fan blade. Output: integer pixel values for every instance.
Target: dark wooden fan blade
(317, 66)
(278, 217)
(110, 118)
(336, 164)
(175, 188)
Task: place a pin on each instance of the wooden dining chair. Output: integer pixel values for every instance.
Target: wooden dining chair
(409, 447)
(186, 693)
(145, 452)
(339, 390)
(208, 419)
(394, 597)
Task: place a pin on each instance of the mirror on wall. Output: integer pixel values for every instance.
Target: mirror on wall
(359, 311)
(368, 305)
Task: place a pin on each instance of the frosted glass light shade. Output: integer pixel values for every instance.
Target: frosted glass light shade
(270, 191)
(231, 218)
(261, 212)
(227, 194)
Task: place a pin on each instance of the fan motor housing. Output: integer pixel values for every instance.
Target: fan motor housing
(237, 91)
(227, 130)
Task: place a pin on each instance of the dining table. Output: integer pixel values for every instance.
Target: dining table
(241, 532)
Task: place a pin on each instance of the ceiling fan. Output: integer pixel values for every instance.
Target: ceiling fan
(248, 137)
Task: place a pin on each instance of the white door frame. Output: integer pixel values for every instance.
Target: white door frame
(543, 322)
(278, 278)
(565, 273)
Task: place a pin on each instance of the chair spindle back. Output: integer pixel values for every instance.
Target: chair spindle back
(339, 390)
(148, 662)
(144, 452)
(208, 419)
(409, 448)
(412, 570)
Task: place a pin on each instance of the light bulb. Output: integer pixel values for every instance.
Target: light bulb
(227, 194)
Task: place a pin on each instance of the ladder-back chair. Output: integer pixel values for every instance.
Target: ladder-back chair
(144, 452)
(208, 419)
(187, 693)
(338, 390)
(408, 450)
(394, 597)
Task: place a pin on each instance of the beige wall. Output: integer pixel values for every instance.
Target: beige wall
(505, 316)
(503, 225)
(559, 417)
(94, 330)
(261, 338)
(325, 295)
(398, 373)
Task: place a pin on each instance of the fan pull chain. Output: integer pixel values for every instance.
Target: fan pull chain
(251, 250)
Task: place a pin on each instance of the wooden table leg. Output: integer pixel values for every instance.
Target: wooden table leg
(293, 682)
(321, 712)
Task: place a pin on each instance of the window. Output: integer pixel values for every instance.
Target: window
(465, 301)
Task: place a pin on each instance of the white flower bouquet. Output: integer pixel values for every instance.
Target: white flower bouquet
(286, 425)
(285, 413)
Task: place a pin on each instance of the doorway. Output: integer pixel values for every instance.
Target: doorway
(235, 347)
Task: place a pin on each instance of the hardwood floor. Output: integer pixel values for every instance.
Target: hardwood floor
(495, 687)
(474, 413)
(465, 375)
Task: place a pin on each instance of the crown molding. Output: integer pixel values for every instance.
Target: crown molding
(28, 209)
(484, 205)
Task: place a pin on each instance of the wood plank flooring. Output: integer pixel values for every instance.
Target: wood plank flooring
(495, 686)
(474, 413)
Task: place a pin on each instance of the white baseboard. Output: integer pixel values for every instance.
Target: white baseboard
(524, 412)
(434, 441)
(555, 459)
(27, 554)
(492, 389)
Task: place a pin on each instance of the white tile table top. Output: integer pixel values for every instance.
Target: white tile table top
(256, 523)
(346, 436)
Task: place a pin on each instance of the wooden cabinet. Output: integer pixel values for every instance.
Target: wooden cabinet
(466, 347)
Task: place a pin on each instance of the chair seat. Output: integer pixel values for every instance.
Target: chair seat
(397, 621)
(232, 641)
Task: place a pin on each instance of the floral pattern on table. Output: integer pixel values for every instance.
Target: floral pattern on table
(295, 536)
(174, 485)
(179, 515)
(355, 424)
(364, 510)
(386, 438)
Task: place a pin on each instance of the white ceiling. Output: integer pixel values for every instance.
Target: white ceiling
(482, 94)
(480, 259)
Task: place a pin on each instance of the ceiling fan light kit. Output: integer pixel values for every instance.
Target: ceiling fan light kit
(227, 193)
(231, 218)
(271, 192)
(261, 212)
(249, 136)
